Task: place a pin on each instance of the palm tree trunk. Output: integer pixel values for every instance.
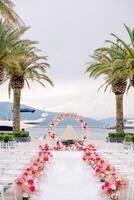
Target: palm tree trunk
(16, 110)
(119, 114)
(1, 72)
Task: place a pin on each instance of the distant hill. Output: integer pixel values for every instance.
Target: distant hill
(69, 121)
(108, 121)
(7, 107)
(6, 113)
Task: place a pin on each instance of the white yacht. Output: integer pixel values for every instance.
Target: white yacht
(129, 123)
(7, 125)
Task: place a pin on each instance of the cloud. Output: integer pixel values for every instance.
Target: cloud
(68, 32)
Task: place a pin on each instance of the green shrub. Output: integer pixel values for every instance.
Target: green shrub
(7, 133)
(129, 137)
(117, 134)
(1, 137)
(8, 138)
(22, 134)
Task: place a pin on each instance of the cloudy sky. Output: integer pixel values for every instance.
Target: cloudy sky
(68, 32)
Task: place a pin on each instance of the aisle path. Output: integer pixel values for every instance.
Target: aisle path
(69, 178)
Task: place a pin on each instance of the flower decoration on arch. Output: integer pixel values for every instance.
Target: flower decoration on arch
(61, 117)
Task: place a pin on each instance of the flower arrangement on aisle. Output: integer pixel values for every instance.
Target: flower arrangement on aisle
(26, 184)
(71, 147)
(113, 184)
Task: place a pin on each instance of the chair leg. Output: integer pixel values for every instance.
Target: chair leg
(2, 194)
(15, 194)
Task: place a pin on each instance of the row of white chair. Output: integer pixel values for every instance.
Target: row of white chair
(121, 156)
(14, 157)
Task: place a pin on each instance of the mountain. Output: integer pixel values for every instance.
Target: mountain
(7, 107)
(108, 121)
(6, 113)
(69, 121)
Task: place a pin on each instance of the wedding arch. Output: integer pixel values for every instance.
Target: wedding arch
(62, 116)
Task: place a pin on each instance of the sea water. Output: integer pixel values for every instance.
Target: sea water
(94, 133)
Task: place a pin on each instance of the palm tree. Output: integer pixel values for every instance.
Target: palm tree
(8, 13)
(27, 66)
(104, 64)
(127, 50)
(9, 41)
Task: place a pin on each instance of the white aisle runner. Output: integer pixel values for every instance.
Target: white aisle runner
(69, 178)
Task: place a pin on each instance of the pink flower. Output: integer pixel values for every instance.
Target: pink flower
(45, 158)
(103, 187)
(118, 183)
(19, 182)
(102, 161)
(107, 184)
(30, 181)
(37, 160)
(40, 169)
(25, 174)
(35, 164)
(108, 168)
(33, 172)
(32, 188)
(97, 158)
(97, 170)
(109, 190)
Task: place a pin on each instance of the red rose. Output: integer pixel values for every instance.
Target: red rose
(97, 170)
(102, 161)
(108, 168)
(32, 188)
(109, 190)
(30, 182)
(118, 183)
(19, 182)
(107, 184)
(98, 158)
(40, 169)
(25, 174)
(45, 158)
(33, 172)
(35, 164)
(46, 147)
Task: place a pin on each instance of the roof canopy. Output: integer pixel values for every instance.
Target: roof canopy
(27, 110)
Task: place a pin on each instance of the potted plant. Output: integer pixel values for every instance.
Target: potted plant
(1, 137)
(129, 138)
(116, 137)
(8, 137)
(22, 136)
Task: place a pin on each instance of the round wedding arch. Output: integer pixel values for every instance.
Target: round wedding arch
(61, 116)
